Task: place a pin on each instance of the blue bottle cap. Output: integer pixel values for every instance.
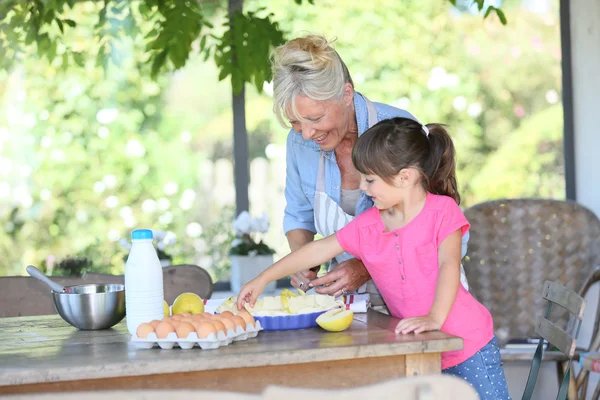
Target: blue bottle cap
(139, 234)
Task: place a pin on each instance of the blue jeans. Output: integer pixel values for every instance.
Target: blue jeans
(484, 372)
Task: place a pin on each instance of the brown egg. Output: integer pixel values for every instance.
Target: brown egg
(163, 329)
(184, 329)
(155, 323)
(207, 314)
(188, 320)
(175, 322)
(196, 325)
(238, 321)
(177, 317)
(198, 317)
(227, 314)
(219, 325)
(216, 316)
(247, 317)
(144, 330)
(205, 329)
(229, 324)
(186, 315)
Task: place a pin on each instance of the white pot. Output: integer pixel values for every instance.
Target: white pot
(246, 268)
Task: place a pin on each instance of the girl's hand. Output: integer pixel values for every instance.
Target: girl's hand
(418, 325)
(250, 292)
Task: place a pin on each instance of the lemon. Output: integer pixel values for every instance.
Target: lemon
(188, 302)
(335, 320)
(285, 303)
(288, 293)
(167, 311)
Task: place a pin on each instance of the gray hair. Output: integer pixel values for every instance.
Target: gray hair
(309, 67)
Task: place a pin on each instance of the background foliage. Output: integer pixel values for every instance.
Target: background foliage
(89, 150)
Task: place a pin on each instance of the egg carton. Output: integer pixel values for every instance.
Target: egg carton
(212, 341)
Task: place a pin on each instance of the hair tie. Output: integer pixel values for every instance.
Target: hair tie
(426, 130)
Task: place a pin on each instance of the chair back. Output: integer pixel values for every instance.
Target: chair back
(555, 335)
(515, 245)
(26, 296)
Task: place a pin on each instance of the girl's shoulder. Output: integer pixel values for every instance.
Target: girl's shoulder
(369, 217)
(438, 202)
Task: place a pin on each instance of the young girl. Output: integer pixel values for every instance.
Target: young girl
(410, 242)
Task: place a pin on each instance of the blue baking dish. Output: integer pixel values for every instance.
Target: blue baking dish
(288, 322)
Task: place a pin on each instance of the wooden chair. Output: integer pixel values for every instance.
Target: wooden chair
(24, 295)
(517, 244)
(555, 335)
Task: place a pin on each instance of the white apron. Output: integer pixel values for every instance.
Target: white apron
(329, 217)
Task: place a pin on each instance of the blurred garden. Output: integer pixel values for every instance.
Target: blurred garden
(90, 152)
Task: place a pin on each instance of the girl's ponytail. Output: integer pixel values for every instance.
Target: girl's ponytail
(440, 168)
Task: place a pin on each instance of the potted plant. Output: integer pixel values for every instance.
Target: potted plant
(248, 255)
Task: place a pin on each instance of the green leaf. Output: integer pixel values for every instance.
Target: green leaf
(488, 11)
(203, 43)
(60, 25)
(158, 62)
(501, 15)
(70, 22)
(78, 58)
(49, 16)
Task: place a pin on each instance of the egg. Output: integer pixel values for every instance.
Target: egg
(163, 329)
(207, 314)
(177, 317)
(227, 314)
(175, 323)
(205, 329)
(144, 330)
(184, 329)
(229, 324)
(219, 325)
(198, 317)
(186, 315)
(247, 317)
(238, 321)
(216, 316)
(155, 323)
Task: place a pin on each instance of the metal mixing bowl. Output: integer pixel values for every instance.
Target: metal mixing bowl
(91, 307)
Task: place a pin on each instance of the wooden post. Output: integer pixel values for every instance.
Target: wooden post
(240, 136)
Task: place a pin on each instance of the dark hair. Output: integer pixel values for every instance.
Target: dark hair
(394, 144)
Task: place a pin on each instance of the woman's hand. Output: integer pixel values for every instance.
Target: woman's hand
(347, 276)
(418, 325)
(302, 279)
(250, 292)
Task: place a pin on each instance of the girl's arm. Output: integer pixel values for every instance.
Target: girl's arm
(307, 256)
(446, 289)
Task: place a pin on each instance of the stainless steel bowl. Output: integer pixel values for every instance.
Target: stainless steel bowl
(91, 307)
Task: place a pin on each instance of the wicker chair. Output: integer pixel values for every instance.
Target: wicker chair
(515, 246)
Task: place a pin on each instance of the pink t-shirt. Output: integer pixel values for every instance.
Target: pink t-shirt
(404, 265)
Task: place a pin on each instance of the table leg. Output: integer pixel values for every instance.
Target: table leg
(422, 364)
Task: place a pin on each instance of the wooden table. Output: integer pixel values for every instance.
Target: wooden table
(45, 354)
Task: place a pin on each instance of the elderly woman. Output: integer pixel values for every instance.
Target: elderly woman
(313, 91)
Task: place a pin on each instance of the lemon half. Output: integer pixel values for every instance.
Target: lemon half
(335, 320)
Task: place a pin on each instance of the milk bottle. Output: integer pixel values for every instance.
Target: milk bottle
(144, 294)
